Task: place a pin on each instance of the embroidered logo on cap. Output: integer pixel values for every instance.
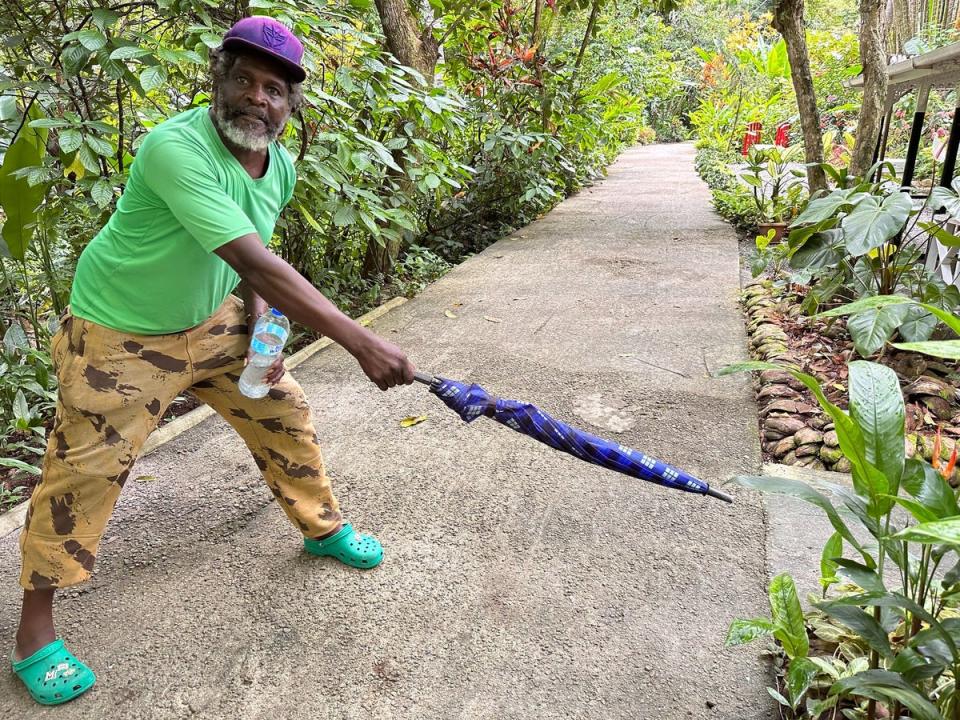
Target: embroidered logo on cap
(273, 38)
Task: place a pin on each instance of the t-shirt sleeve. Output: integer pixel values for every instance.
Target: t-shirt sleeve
(183, 178)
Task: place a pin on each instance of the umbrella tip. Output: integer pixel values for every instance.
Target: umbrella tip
(719, 494)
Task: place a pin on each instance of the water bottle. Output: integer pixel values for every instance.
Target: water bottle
(269, 336)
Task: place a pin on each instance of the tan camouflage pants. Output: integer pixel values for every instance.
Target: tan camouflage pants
(113, 389)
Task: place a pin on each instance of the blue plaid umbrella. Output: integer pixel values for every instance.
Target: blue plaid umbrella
(472, 401)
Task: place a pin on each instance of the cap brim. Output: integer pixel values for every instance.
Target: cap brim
(297, 73)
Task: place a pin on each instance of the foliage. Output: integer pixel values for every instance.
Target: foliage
(902, 611)
(774, 180)
(863, 239)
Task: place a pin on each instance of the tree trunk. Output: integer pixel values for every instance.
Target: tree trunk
(412, 46)
(788, 21)
(874, 61)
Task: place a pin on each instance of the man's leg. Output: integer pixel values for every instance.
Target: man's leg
(113, 389)
(279, 432)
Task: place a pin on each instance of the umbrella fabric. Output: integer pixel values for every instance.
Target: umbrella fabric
(472, 401)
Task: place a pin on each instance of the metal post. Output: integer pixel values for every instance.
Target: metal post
(953, 142)
(884, 135)
(916, 131)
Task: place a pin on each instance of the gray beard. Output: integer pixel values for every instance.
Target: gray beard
(241, 137)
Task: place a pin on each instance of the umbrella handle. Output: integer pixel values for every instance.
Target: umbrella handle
(425, 378)
(712, 492)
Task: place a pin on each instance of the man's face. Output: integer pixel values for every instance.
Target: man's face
(252, 104)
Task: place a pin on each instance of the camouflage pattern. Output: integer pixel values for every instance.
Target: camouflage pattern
(114, 388)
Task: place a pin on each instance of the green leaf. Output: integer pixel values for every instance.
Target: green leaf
(745, 631)
(918, 325)
(345, 215)
(48, 123)
(876, 405)
(432, 181)
(873, 222)
(70, 140)
(832, 550)
(788, 625)
(867, 303)
(947, 239)
(91, 39)
(21, 411)
(99, 145)
(860, 574)
(939, 531)
(862, 623)
(817, 252)
(778, 697)
(886, 686)
(18, 198)
(871, 329)
(929, 488)
(822, 208)
(15, 339)
(129, 52)
(947, 349)
(800, 676)
(19, 465)
(153, 77)
(104, 18)
(102, 192)
(88, 158)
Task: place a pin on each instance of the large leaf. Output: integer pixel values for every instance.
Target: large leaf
(788, 624)
(918, 324)
(800, 675)
(822, 208)
(929, 488)
(18, 198)
(19, 465)
(876, 404)
(817, 252)
(871, 329)
(744, 631)
(939, 531)
(873, 222)
(887, 686)
(832, 550)
(865, 577)
(862, 623)
(947, 349)
(867, 303)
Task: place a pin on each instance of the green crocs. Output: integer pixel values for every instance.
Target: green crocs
(53, 675)
(349, 547)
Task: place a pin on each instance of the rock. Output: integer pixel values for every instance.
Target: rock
(780, 405)
(781, 377)
(807, 436)
(772, 435)
(768, 330)
(830, 438)
(909, 445)
(789, 459)
(830, 455)
(786, 425)
(812, 462)
(808, 449)
(784, 446)
(926, 385)
(941, 409)
(805, 409)
(777, 391)
(925, 446)
(843, 465)
(829, 426)
(817, 422)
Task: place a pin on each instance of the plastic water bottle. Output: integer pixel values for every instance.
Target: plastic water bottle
(269, 336)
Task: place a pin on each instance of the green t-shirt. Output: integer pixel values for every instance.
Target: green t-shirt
(151, 269)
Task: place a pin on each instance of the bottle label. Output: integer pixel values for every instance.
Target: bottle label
(269, 340)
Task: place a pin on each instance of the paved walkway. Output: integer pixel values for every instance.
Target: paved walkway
(519, 583)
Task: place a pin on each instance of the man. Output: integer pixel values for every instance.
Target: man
(152, 315)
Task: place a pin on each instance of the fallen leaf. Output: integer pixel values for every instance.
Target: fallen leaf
(492, 319)
(450, 314)
(145, 478)
(627, 355)
(412, 420)
(458, 304)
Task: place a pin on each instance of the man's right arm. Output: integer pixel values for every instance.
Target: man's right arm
(284, 288)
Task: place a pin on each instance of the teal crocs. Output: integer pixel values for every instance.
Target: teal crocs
(349, 547)
(53, 675)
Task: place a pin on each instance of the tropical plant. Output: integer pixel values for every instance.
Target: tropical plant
(774, 180)
(907, 577)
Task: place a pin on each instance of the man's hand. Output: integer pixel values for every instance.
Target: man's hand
(255, 307)
(384, 363)
(274, 373)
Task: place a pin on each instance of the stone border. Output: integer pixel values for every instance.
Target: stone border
(13, 518)
(793, 429)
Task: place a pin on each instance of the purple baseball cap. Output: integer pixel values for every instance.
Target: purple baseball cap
(270, 37)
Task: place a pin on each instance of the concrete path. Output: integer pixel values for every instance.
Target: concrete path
(519, 583)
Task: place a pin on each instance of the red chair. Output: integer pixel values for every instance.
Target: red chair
(751, 137)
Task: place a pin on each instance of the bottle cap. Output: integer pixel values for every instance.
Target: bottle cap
(275, 312)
